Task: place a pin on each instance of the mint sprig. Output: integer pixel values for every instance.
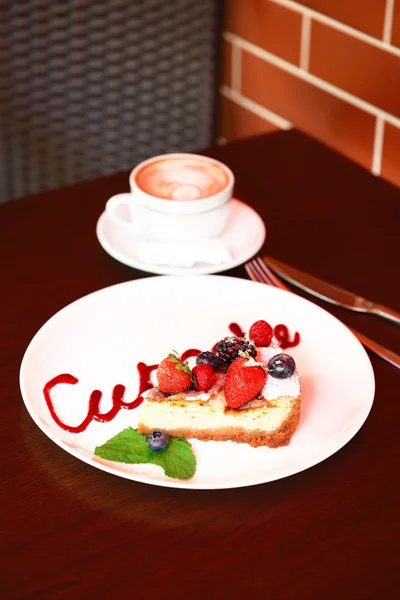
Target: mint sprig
(129, 446)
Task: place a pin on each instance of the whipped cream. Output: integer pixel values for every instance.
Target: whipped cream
(251, 362)
(274, 388)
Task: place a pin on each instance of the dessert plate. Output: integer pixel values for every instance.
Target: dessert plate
(243, 236)
(100, 338)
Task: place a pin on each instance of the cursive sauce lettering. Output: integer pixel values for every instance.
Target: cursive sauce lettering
(188, 353)
(94, 413)
(236, 330)
(281, 333)
(144, 380)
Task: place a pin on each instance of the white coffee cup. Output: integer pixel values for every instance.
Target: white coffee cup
(175, 197)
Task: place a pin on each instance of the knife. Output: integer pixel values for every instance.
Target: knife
(330, 293)
(381, 351)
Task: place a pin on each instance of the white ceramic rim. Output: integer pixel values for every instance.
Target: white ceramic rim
(307, 448)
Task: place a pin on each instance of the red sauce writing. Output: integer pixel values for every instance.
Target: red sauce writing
(236, 330)
(188, 353)
(144, 379)
(281, 333)
(94, 413)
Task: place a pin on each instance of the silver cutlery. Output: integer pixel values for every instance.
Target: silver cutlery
(328, 292)
(259, 271)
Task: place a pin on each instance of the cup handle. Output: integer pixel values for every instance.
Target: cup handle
(117, 208)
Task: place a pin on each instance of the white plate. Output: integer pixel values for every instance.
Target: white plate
(101, 337)
(243, 235)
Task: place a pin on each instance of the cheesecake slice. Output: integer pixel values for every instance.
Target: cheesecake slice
(268, 420)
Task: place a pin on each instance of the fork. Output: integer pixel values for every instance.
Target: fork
(258, 271)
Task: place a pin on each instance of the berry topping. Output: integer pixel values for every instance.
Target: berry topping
(261, 333)
(244, 382)
(281, 366)
(228, 349)
(157, 441)
(223, 365)
(173, 375)
(204, 377)
(208, 358)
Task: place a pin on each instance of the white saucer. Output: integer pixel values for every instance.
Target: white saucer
(244, 235)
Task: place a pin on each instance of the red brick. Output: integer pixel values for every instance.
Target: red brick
(267, 25)
(391, 154)
(396, 25)
(367, 16)
(323, 116)
(238, 122)
(356, 66)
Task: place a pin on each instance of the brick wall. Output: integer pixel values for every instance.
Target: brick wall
(330, 68)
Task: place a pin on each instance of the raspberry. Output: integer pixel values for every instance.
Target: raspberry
(204, 377)
(261, 333)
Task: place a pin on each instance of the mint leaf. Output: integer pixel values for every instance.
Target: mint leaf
(177, 460)
(129, 446)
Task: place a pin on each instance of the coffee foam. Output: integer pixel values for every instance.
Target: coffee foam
(181, 179)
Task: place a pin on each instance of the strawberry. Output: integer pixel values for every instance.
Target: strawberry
(243, 382)
(261, 333)
(173, 375)
(203, 377)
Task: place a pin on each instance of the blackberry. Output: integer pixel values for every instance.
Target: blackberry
(228, 349)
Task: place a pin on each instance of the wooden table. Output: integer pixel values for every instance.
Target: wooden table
(72, 531)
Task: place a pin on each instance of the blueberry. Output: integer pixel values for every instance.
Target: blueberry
(223, 365)
(157, 441)
(281, 366)
(208, 358)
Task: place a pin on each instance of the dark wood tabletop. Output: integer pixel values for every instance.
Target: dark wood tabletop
(72, 531)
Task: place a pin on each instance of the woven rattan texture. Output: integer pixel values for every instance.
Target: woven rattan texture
(90, 88)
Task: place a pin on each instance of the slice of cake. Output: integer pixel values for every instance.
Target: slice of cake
(257, 401)
(269, 420)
